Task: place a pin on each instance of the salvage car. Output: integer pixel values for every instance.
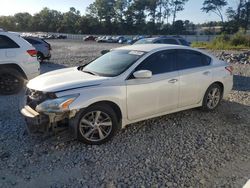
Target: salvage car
(126, 85)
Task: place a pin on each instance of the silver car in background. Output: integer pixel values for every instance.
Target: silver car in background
(42, 47)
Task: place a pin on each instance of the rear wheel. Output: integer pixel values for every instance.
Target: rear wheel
(40, 57)
(96, 124)
(212, 97)
(11, 81)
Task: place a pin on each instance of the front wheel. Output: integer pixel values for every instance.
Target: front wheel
(212, 97)
(97, 124)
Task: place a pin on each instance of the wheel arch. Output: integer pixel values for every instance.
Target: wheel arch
(111, 104)
(14, 66)
(219, 84)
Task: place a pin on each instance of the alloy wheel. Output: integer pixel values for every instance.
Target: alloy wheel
(95, 126)
(213, 98)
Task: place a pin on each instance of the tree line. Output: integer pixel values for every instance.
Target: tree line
(127, 17)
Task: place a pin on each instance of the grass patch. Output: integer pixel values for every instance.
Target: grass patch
(226, 42)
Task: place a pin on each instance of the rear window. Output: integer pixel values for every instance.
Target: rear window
(191, 59)
(32, 41)
(183, 42)
(6, 42)
(169, 41)
(144, 41)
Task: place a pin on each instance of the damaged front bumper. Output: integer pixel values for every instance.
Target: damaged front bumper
(46, 122)
(42, 119)
(36, 123)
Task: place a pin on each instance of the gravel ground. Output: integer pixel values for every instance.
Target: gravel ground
(186, 149)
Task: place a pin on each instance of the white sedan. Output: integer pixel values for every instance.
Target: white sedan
(126, 85)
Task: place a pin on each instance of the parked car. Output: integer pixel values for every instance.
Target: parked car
(123, 40)
(43, 48)
(164, 40)
(137, 38)
(101, 39)
(61, 37)
(126, 85)
(18, 62)
(89, 38)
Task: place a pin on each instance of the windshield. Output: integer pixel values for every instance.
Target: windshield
(144, 41)
(113, 63)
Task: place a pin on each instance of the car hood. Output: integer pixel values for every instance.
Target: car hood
(64, 79)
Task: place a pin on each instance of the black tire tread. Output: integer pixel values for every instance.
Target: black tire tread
(17, 74)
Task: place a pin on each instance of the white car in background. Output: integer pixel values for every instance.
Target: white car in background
(18, 62)
(126, 85)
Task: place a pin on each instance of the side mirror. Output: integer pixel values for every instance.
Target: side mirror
(104, 51)
(141, 74)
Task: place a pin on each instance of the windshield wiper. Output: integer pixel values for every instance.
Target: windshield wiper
(90, 72)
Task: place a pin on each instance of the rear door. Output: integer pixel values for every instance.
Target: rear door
(195, 76)
(146, 97)
(7, 49)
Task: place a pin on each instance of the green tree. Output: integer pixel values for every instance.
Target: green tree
(177, 6)
(104, 10)
(23, 21)
(46, 20)
(71, 21)
(214, 6)
(8, 23)
(239, 18)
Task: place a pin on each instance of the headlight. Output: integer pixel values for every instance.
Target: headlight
(57, 105)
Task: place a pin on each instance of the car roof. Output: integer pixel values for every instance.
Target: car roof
(152, 47)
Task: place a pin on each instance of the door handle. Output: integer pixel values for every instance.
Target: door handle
(206, 73)
(172, 81)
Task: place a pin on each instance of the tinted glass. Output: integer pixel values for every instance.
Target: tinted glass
(144, 41)
(32, 41)
(190, 59)
(169, 41)
(6, 42)
(183, 42)
(160, 62)
(113, 63)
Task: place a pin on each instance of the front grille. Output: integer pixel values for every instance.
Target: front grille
(35, 97)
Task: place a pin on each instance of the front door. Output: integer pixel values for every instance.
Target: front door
(160, 93)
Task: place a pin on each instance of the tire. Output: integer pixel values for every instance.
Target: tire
(11, 81)
(93, 131)
(40, 57)
(212, 97)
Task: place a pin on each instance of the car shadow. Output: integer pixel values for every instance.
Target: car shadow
(241, 83)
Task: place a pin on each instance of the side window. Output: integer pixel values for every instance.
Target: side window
(6, 42)
(158, 63)
(170, 41)
(159, 41)
(190, 59)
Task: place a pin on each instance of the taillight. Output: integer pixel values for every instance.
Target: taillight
(32, 53)
(229, 69)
